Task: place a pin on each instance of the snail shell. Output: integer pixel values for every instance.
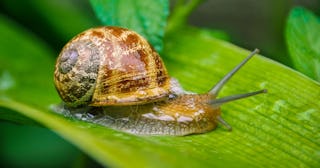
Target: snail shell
(113, 77)
(110, 66)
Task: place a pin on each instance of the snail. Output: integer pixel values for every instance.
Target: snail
(112, 76)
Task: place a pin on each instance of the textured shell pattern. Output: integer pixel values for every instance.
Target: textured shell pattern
(110, 66)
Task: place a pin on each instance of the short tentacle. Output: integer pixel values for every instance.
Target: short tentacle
(224, 123)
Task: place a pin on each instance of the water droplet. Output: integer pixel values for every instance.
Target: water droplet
(263, 84)
(6, 81)
(259, 107)
(306, 114)
(280, 106)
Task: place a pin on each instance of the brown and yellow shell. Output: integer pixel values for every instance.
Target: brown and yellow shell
(110, 66)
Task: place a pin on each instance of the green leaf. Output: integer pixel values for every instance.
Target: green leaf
(180, 13)
(278, 129)
(147, 17)
(30, 146)
(25, 74)
(63, 17)
(303, 40)
(56, 21)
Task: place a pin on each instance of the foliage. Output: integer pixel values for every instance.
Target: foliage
(303, 40)
(149, 22)
(279, 129)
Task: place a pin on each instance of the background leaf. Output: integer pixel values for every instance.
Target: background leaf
(279, 129)
(30, 146)
(303, 40)
(147, 17)
(25, 75)
(25, 72)
(54, 21)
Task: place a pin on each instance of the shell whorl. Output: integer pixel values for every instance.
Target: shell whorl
(110, 66)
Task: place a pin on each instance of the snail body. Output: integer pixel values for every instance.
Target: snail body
(112, 76)
(183, 115)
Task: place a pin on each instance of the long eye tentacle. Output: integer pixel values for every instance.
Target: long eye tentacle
(216, 89)
(220, 101)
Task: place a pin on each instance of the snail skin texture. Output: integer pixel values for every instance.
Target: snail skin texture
(113, 77)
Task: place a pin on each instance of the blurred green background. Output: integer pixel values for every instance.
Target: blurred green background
(252, 24)
(248, 24)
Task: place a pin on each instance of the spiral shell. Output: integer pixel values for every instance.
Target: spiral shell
(110, 66)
